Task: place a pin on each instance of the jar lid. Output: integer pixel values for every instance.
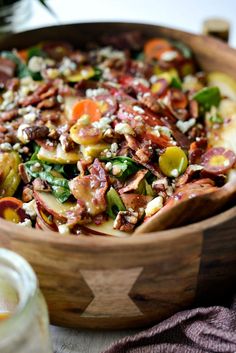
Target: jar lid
(217, 27)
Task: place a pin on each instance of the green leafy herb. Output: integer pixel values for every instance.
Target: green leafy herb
(176, 83)
(126, 166)
(208, 97)
(114, 203)
(36, 51)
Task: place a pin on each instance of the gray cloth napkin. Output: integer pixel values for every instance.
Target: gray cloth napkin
(201, 330)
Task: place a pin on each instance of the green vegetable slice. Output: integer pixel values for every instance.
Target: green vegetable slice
(208, 97)
(114, 203)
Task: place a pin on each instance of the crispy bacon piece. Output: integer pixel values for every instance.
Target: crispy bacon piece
(91, 189)
(133, 183)
(141, 151)
(135, 201)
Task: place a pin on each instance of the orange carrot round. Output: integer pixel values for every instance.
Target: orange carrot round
(155, 47)
(88, 107)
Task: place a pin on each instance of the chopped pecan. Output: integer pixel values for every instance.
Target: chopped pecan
(50, 115)
(50, 93)
(66, 142)
(126, 221)
(36, 132)
(47, 103)
(53, 134)
(8, 115)
(23, 173)
(27, 194)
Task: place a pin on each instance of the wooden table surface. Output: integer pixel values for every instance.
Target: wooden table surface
(84, 341)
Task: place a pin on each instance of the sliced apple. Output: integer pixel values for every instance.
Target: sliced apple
(53, 207)
(44, 219)
(11, 210)
(224, 134)
(83, 73)
(69, 103)
(58, 155)
(105, 228)
(226, 84)
(93, 150)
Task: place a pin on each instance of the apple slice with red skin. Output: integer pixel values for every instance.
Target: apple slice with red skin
(105, 229)
(11, 210)
(44, 219)
(55, 208)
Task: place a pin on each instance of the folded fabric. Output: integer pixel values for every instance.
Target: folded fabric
(201, 330)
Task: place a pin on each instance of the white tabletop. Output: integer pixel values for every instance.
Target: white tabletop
(184, 14)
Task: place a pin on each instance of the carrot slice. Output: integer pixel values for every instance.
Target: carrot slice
(11, 209)
(155, 47)
(86, 106)
(13, 200)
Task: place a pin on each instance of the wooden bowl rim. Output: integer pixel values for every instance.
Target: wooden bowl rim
(222, 45)
(96, 242)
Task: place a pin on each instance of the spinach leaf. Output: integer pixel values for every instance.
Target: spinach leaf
(125, 165)
(36, 51)
(176, 83)
(208, 97)
(59, 185)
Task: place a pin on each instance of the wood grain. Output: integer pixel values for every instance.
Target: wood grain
(157, 273)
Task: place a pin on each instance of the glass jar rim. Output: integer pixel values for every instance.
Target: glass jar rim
(26, 288)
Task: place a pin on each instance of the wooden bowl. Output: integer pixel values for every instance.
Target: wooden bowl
(105, 282)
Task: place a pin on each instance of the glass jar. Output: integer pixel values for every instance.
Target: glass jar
(24, 326)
